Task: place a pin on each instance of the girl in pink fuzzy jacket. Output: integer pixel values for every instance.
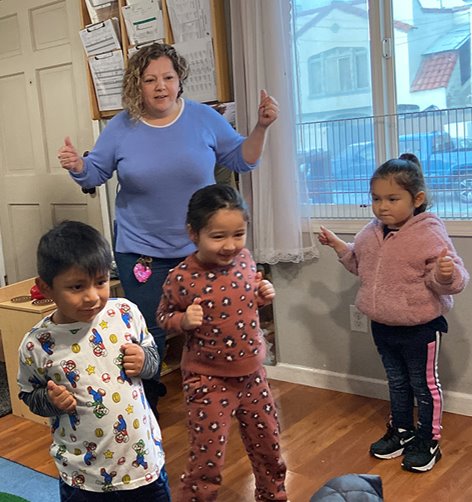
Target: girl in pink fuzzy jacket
(408, 269)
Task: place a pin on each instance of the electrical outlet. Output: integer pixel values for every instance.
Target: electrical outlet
(358, 320)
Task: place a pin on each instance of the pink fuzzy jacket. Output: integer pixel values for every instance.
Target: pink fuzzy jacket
(397, 274)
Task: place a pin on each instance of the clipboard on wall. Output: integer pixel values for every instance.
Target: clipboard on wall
(143, 21)
(101, 10)
(101, 37)
(107, 72)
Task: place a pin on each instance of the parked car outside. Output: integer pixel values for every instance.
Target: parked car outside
(315, 168)
(456, 168)
(446, 163)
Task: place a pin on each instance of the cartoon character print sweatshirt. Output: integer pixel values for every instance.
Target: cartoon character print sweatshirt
(112, 441)
(397, 273)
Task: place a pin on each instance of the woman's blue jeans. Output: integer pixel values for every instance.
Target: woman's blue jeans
(147, 295)
(410, 358)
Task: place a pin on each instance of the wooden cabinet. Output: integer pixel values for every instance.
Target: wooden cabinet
(16, 319)
(220, 51)
(173, 353)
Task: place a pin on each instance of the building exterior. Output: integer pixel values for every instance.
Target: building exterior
(431, 51)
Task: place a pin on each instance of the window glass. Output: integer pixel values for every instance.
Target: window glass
(332, 60)
(434, 87)
(335, 116)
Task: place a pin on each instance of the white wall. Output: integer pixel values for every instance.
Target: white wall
(437, 97)
(316, 347)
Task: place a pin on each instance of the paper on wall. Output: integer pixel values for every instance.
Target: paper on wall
(100, 10)
(189, 19)
(135, 48)
(107, 75)
(101, 37)
(201, 82)
(99, 3)
(143, 21)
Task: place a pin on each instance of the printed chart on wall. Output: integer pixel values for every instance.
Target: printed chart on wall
(200, 84)
(191, 26)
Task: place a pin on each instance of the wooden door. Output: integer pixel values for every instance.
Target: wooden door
(43, 97)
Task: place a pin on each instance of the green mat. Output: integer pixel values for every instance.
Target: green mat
(6, 497)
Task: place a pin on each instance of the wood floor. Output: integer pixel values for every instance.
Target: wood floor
(324, 434)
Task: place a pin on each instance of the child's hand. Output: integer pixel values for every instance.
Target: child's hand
(444, 267)
(328, 238)
(193, 317)
(265, 290)
(133, 359)
(61, 398)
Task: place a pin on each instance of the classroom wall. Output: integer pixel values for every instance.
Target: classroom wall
(316, 347)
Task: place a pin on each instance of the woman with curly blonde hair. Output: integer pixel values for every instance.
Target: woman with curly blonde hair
(163, 148)
(132, 95)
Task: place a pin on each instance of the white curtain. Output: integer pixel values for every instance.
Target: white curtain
(261, 49)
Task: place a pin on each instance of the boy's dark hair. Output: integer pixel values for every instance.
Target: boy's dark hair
(205, 202)
(72, 243)
(407, 172)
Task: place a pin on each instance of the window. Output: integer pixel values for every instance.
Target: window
(417, 99)
(338, 70)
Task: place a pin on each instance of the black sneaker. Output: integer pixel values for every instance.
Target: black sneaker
(392, 444)
(421, 455)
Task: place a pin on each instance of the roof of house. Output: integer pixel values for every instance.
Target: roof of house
(402, 26)
(443, 4)
(451, 40)
(435, 71)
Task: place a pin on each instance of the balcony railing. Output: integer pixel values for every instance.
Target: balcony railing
(337, 158)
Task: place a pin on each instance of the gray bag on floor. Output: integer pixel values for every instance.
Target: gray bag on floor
(351, 488)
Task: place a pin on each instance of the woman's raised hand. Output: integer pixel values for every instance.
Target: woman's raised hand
(268, 110)
(69, 158)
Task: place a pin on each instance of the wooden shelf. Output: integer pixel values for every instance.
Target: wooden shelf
(173, 354)
(169, 368)
(15, 320)
(218, 22)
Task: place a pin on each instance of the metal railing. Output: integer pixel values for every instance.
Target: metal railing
(336, 159)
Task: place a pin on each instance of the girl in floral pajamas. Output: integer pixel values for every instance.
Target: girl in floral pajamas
(213, 297)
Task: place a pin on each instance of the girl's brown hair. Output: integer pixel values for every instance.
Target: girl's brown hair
(407, 173)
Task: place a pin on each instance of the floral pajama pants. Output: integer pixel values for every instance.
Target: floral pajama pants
(211, 404)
